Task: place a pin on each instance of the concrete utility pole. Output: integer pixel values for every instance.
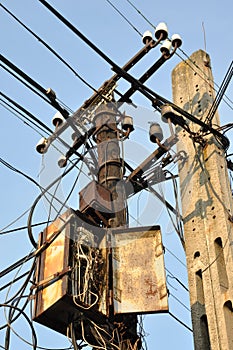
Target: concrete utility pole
(207, 210)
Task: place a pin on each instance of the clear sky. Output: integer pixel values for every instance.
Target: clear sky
(201, 24)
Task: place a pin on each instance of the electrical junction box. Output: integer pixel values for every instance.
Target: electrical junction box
(86, 271)
(95, 200)
(71, 275)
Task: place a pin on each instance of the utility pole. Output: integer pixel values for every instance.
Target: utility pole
(207, 209)
(110, 176)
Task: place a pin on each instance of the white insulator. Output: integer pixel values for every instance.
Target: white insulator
(176, 40)
(127, 123)
(62, 161)
(161, 29)
(166, 47)
(147, 37)
(51, 94)
(41, 145)
(155, 132)
(58, 119)
(166, 112)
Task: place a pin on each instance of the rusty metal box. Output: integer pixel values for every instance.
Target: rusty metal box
(139, 281)
(57, 291)
(94, 199)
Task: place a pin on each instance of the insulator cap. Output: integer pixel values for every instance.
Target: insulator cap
(41, 145)
(147, 37)
(176, 40)
(76, 135)
(165, 48)
(62, 162)
(51, 94)
(58, 119)
(161, 29)
(155, 132)
(166, 112)
(127, 123)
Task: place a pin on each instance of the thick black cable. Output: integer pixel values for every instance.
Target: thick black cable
(52, 100)
(171, 275)
(220, 94)
(23, 228)
(18, 263)
(23, 75)
(30, 235)
(14, 281)
(25, 83)
(155, 98)
(181, 322)
(51, 50)
(22, 288)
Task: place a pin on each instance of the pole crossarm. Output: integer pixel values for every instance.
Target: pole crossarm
(155, 98)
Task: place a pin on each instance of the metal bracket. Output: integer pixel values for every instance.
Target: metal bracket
(51, 279)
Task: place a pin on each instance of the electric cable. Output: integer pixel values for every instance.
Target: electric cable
(181, 322)
(19, 115)
(125, 18)
(15, 220)
(5, 163)
(51, 99)
(22, 288)
(177, 279)
(34, 337)
(147, 92)
(229, 214)
(180, 302)
(141, 14)
(206, 79)
(26, 112)
(30, 235)
(220, 94)
(53, 52)
(181, 262)
(23, 227)
(15, 280)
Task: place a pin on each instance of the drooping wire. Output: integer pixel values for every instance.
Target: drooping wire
(30, 235)
(34, 337)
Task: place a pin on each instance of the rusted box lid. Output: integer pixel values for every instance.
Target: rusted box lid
(139, 280)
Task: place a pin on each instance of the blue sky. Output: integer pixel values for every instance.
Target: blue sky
(113, 35)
